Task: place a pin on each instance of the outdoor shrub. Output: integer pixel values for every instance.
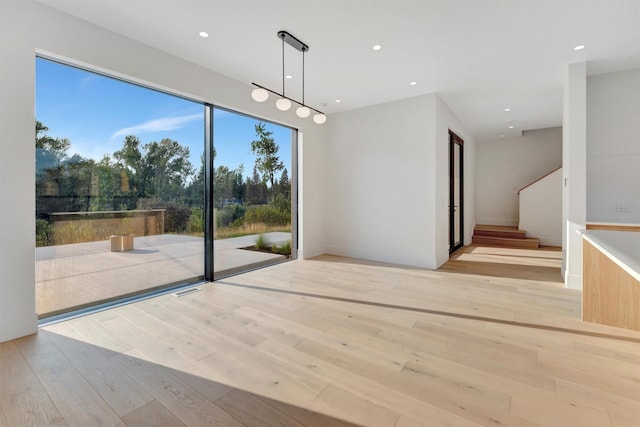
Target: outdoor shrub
(176, 217)
(261, 242)
(228, 215)
(267, 214)
(44, 233)
(282, 204)
(285, 249)
(196, 221)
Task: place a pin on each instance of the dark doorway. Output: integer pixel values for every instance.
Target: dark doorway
(456, 187)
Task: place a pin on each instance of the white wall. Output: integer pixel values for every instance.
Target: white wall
(574, 170)
(541, 209)
(26, 27)
(386, 181)
(505, 165)
(613, 147)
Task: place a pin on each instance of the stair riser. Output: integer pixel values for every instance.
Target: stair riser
(506, 234)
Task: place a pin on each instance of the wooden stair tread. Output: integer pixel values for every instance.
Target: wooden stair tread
(504, 235)
(508, 234)
(499, 231)
(495, 227)
(526, 239)
(526, 242)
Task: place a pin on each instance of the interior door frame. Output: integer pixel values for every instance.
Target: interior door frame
(453, 141)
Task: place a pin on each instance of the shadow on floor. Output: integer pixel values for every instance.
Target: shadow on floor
(148, 393)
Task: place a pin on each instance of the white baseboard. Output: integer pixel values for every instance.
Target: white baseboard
(381, 256)
(573, 281)
(17, 327)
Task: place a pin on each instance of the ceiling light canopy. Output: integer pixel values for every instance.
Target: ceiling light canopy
(284, 103)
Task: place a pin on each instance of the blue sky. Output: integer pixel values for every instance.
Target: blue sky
(95, 113)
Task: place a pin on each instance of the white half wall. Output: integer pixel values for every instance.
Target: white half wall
(541, 209)
(505, 165)
(613, 147)
(28, 27)
(386, 182)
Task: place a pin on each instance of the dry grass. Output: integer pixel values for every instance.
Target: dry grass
(248, 229)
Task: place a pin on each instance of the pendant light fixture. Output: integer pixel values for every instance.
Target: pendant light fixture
(283, 103)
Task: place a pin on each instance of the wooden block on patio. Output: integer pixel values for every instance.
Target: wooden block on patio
(121, 242)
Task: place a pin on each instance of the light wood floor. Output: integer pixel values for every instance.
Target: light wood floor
(331, 341)
(537, 266)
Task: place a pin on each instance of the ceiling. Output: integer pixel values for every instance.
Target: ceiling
(481, 56)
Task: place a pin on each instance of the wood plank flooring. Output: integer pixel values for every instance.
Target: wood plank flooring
(333, 342)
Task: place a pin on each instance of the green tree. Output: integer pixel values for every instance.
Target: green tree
(255, 189)
(168, 168)
(113, 191)
(57, 147)
(78, 184)
(161, 169)
(267, 161)
(130, 159)
(50, 156)
(284, 185)
(195, 189)
(228, 185)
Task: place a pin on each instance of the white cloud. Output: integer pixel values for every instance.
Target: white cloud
(157, 125)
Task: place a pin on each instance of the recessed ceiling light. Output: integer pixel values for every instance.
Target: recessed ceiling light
(413, 83)
(502, 136)
(289, 76)
(203, 34)
(579, 47)
(338, 100)
(507, 109)
(511, 126)
(376, 47)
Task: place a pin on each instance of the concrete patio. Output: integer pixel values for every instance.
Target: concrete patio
(77, 275)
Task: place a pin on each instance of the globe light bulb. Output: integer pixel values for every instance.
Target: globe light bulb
(259, 94)
(283, 104)
(319, 118)
(303, 112)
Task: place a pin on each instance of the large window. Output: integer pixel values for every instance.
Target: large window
(119, 189)
(138, 190)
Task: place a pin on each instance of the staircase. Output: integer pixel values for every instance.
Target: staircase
(497, 235)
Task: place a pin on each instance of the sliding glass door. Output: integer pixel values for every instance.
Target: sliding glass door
(139, 190)
(253, 193)
(119, 189)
